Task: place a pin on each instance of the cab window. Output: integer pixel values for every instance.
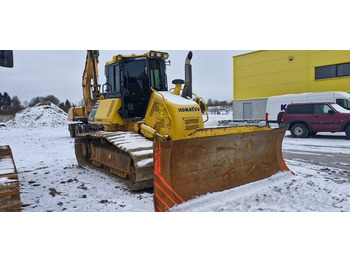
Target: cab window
(113, 79)
(136, 84)
(135, 77)
(156, 78)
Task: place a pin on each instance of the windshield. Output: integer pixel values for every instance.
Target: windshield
(340, 109)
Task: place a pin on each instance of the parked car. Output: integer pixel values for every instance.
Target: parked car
(276, 104)
(306, 119)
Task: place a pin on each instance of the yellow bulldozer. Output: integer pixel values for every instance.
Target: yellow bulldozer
(138, 129)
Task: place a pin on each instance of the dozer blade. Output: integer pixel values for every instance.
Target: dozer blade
(9, 185)
(187, 168)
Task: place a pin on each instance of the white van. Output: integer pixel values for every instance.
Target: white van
(276, 104)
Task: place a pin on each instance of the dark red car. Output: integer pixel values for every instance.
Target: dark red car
(306, 119)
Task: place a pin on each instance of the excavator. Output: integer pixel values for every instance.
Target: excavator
(151, 136)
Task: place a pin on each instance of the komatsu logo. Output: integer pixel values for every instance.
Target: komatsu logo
(189, 109)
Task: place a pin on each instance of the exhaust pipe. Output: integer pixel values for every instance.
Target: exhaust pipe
(187, 91)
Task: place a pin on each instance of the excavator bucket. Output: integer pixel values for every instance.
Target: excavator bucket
(9, 185)
(187, 168)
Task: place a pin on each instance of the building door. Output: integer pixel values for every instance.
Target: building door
(247, 111)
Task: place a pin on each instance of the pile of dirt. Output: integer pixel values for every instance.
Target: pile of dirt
(38, 116)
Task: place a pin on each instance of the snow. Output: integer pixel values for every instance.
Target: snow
(41, 115)
(214, 119)
(242, 217)
(282, 192)
(51, 180)
(178, 100)
(6, 166)
(142, 152)
(307, 146)
(4, 181)
(144, 162)
(122, 140)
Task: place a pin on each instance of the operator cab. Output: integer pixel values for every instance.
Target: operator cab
(131, 78)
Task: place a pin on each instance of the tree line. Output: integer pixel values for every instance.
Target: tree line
(11, 105)
(213, 102)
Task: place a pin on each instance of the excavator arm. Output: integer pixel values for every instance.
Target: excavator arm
(91, 88)
(91, 93)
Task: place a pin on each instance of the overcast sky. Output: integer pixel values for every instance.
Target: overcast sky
(59, 73)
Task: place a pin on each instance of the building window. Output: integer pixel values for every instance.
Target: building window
(343, 69)
(326, 72)
(332, 71)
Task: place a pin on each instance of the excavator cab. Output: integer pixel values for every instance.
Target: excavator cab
(131, 78)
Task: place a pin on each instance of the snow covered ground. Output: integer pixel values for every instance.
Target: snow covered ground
(51, 180)
(315, 186)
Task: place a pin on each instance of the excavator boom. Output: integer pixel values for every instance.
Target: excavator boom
(91, 88)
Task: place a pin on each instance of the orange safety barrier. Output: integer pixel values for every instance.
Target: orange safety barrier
(163, 192)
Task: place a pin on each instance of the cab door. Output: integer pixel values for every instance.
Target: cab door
(134, 88)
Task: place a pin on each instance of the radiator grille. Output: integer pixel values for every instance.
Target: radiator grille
(191, 123)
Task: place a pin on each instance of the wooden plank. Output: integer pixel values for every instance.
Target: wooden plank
(10, 176)
(9, 191)
(10, 205)
(7, 165)
(9, 199)
(9, 185)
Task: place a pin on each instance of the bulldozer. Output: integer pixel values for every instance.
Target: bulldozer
(137, 128)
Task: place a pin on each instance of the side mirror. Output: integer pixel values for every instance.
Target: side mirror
(331, 112)
(6, 58)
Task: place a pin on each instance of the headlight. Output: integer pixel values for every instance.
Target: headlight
(158, 54)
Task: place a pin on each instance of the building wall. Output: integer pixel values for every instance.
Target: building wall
(263, 74)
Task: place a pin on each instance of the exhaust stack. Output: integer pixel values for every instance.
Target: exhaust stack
(187, 91)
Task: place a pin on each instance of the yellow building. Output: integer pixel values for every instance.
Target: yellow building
(263, 74)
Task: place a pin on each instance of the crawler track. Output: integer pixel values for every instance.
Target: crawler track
(125, 154)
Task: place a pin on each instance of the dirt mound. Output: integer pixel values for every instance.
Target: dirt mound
(38, 116)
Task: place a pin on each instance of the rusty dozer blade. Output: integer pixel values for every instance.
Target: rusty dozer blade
(9, 185)
(187, 168)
